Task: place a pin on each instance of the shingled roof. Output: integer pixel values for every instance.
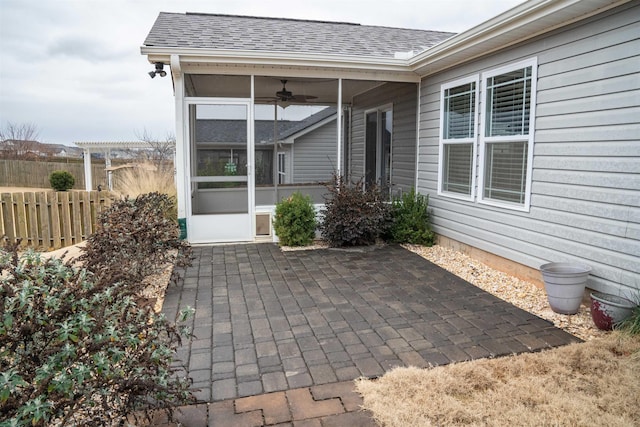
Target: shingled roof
(230, 32)
(235, 131)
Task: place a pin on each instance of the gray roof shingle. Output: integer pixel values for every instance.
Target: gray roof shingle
(210, 31)
(235, 131)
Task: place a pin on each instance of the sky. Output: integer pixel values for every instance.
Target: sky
(73, 68)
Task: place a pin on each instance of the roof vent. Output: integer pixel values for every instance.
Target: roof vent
(403, 55)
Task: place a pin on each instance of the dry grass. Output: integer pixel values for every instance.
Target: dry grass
(144, 178)
(593, 383)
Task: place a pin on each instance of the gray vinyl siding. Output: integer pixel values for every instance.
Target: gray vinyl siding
(314, 155)
(585, 198)
(403, 97)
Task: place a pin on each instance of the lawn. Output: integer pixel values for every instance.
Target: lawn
(592, 383)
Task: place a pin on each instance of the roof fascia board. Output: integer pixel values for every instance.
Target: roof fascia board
(509, 22)
(199, 61)
(253, 56)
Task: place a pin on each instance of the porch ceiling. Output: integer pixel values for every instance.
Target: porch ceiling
(322, 91)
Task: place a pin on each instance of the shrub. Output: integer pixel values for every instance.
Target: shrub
(135, 238)
(147, 178)
(61, 180)
(410, 220)
(631, 325)
(353, 215)
(76, 350)
(295, 220)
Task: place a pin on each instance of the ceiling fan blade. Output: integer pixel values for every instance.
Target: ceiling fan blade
(303, 98)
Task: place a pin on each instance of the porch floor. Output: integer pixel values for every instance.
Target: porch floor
(279, 336)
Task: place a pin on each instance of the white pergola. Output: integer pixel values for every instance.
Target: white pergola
(104, 147)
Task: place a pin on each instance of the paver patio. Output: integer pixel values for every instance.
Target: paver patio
(269, 321)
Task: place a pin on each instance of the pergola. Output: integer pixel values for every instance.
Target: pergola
(104, 147)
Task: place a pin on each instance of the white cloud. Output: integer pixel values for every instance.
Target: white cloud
(73, 67)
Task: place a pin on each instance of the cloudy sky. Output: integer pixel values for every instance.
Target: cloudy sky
(73, 67)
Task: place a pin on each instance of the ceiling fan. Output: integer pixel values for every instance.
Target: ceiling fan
(285, 95)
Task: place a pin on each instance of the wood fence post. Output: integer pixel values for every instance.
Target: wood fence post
(31, 210)
(45, 223)
(8, 215)
(86, 215)
(54, 208)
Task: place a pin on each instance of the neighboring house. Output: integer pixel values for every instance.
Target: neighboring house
(31, 150)
(524, 131)
(222, 141)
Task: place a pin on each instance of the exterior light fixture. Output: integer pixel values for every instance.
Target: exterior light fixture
(159, 70)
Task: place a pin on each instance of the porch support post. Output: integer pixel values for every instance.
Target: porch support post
(107, 163)
(88, 183)
(339, 129)
(183, 187)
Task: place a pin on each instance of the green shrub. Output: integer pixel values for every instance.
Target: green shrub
(61, 180)
(76, 350)
(295, 220)
(84, 346)
(410, 220)
(353, 215)
(631, 325)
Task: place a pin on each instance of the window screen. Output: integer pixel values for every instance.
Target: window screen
(458, 138)
(506, 171)
(457, 168)
(459, 104)
(506, 136)
(508, 103)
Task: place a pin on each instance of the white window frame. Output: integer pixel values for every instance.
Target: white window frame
(450, 141)
(282, 155)
(529, 138)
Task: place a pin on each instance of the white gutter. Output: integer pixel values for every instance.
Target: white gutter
(196, 61)
(272, 58)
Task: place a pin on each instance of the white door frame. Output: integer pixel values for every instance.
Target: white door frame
(213, 228)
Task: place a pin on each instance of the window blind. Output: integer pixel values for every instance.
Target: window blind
(506, 171)
(459, 111)
(509, 103)
(457, 168)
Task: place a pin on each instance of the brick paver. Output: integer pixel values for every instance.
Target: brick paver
(326, 405)
(270, 322)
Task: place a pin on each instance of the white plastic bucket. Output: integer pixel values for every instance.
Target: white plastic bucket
(565, 284)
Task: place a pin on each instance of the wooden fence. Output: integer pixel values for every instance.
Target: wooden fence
(48, 220)
(27, 173)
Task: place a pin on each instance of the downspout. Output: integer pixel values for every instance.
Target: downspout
(417, 135)
(339, 129)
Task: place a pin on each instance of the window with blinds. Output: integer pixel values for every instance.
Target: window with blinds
(508, 103)
(457, 138)
(506, 139)
(459, 109)
(506, 171)
(457, 168)
(501, 174)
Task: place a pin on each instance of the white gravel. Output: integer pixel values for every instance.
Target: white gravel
(520, 293)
